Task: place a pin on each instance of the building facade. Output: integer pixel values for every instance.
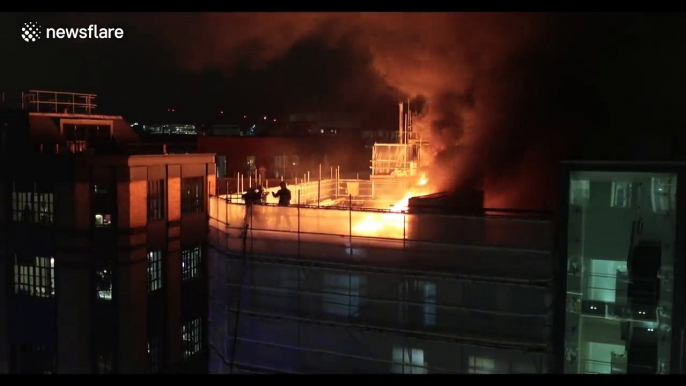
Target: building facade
(305, 290)
(101, 249)
(621, 268)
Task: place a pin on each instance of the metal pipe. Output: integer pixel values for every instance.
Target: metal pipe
(541, 284)
(350, 222)
(282, 290)
(474, 342)
(404, 237)
(338, 354)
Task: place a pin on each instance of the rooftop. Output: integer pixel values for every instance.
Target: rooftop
(494, 248)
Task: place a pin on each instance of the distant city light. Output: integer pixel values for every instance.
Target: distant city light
(221, 112)
(274, 119)
(265, 117)
(245, 116)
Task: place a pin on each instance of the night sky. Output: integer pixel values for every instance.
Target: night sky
(505, 91)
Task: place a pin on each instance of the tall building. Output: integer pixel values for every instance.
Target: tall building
(353, 278)
(102, 245)
(622, 266)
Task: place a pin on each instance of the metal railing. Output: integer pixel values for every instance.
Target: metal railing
(58, 102)
(504, 232)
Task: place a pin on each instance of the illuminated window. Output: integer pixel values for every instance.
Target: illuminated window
(104, 204)
(481, 365)
(192, 195)
(104, 363)
(34, 276)
(191, 335)
(156, 200)
(342, 294)
(190, 262)
(153, 355)
(408, 361)
(418, 291)
(579, 192)
(31, 204)
(103, 282)
(621, 195)
(154, 270)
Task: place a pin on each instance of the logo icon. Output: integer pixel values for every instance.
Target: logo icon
(30, 32)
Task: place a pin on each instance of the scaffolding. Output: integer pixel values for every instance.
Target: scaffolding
(405, 159)
(305, 290)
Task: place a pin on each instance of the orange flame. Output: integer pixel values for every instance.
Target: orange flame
(383, 223)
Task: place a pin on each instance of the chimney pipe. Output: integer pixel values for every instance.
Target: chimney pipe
(401, 123)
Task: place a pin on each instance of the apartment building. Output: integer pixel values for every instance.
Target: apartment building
(102, 245)
(622, 265)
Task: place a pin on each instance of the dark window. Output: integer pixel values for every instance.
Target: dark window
(156, 200)
(32, 204)
(190, 262)
(192, 195)
(104, 205)
(191, 335)
(104, 363)
(34, 276)
(154, 270)
(81, 137)
(77, 146)
(31, 359)
(153, 355)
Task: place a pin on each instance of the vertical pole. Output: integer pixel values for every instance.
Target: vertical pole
(319, 186)
(350, 222)
(331, 177)
(227, 189)
(238, 183)
(404, 221)
(298, 221)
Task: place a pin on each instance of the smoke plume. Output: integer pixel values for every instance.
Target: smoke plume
(502, 97)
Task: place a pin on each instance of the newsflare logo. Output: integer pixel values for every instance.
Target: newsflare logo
(32, 32)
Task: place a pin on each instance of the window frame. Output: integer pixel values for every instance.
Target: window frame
(32, 196)
(35, 280)
(156, 200)
(193, 329)
(155, 265)
(191, 263)
(190, 202)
